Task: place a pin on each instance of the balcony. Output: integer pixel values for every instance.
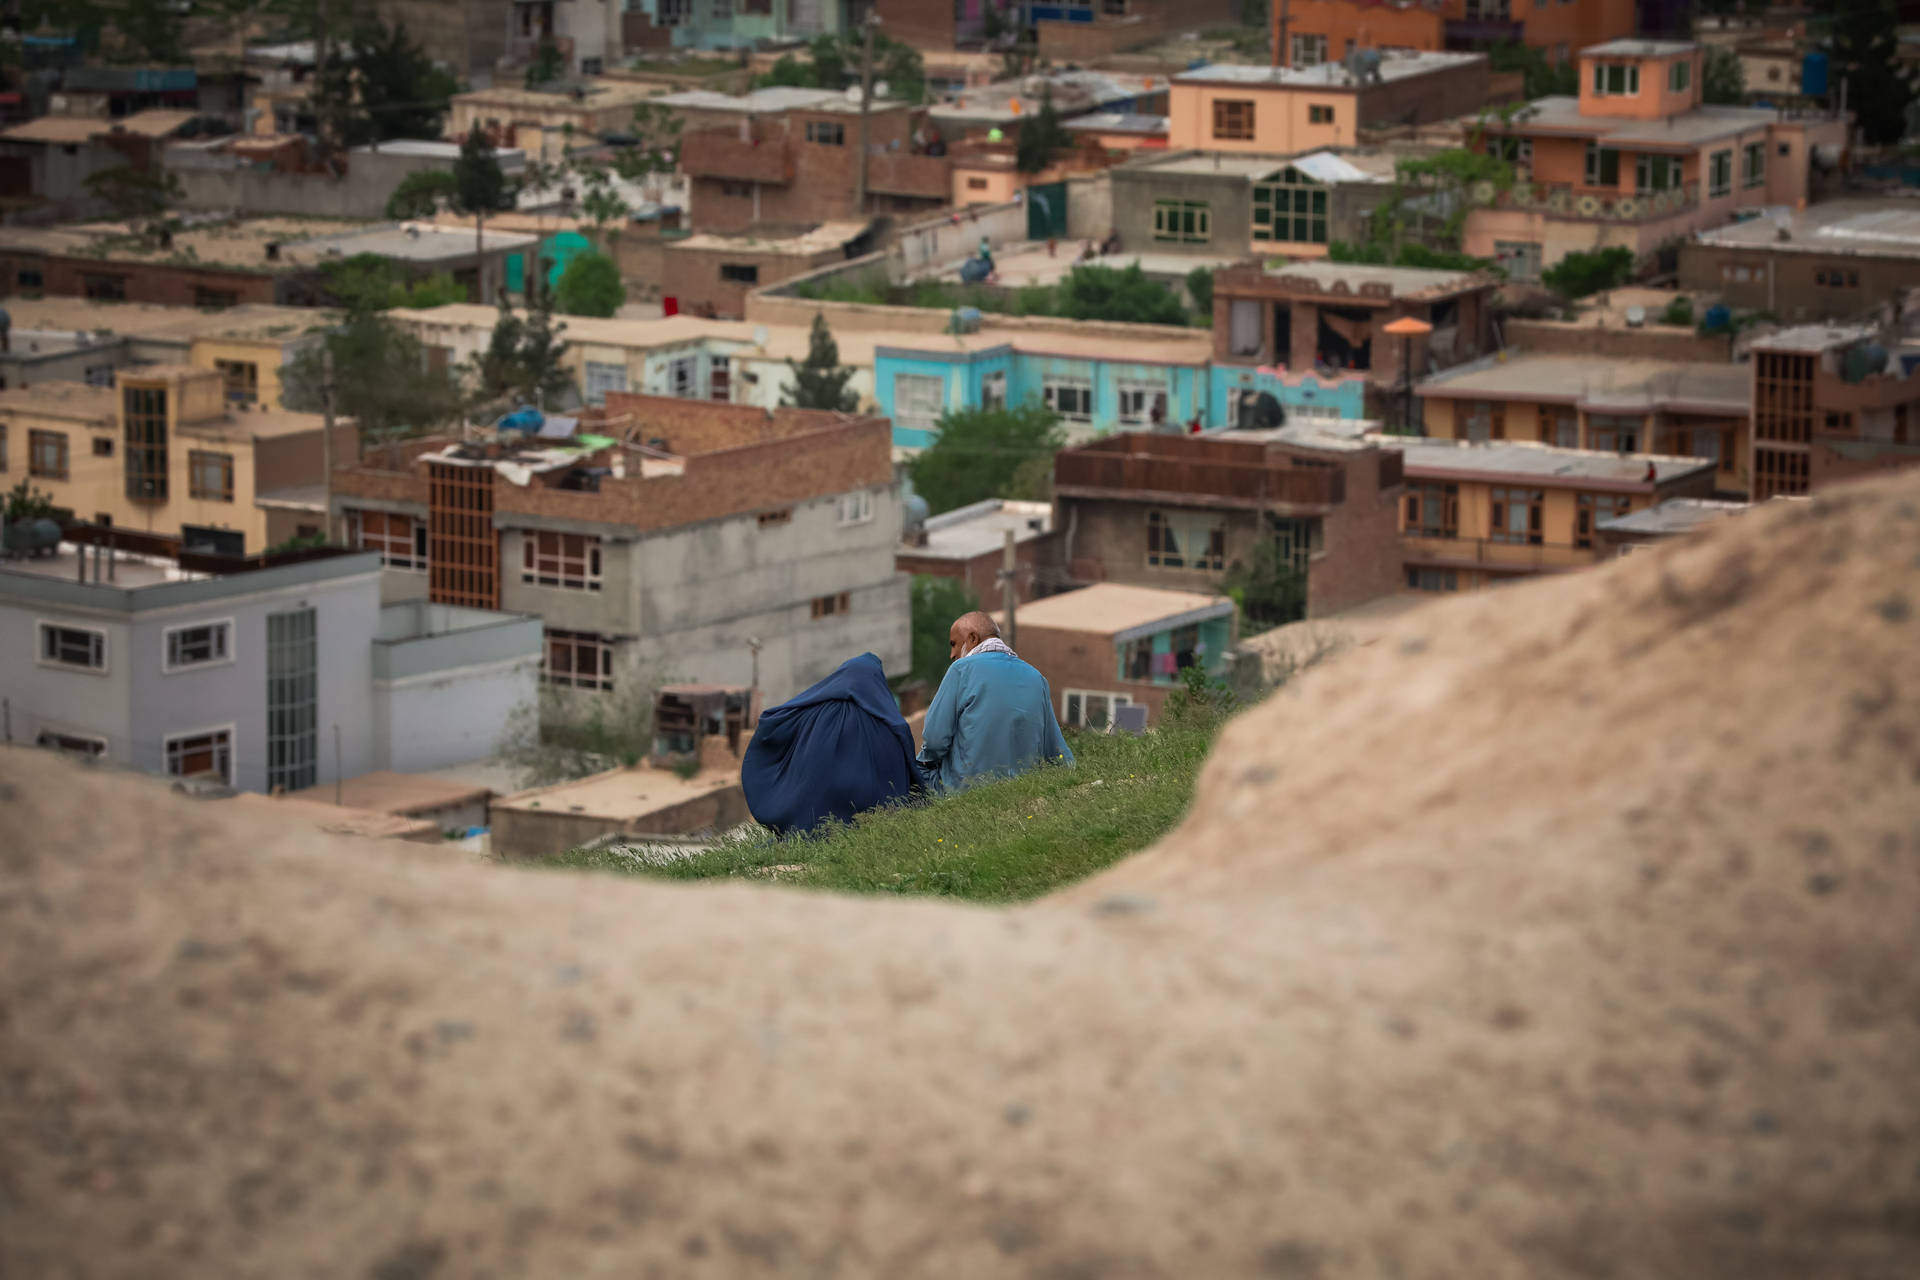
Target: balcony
(1593, 204)
(900, 173)
(1495, 557)
(1146, 477)
(720, 153)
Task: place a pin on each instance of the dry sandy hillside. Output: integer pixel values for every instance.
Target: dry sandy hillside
(1571, 930)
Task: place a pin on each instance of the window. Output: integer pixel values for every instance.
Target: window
(104, 288)
(1432, 580)
(400, 540)
(1183, 221)
(602, 378)
(720, 380)
(1603, 166)
(976, 184)
(828, 133)
(1520, 258)
(193, 754)
(1616, 79)
(1071, 399)
(199, 645)
(856, 507)
(570, 560)
(1566, 428)
(740, 272)
(210, 475)
(672, 13)
(1560, 51)
(1590, 509)
(740, 189)
(1614, 433)
(578, 660)
(1143, 403)
(1708, 445)
(1317, 114)
(831, 606)
(918, 400)
(293, 700)
(993, 390)
(1186, 540)
(214, 299)
(103, 446)
(1680, 76)
(1516, 515)
(29, 279)
(1721, 168)
(1753, 164)
(1308, 51)
(680, 375)
(774, 519)
(47, 454)
(1486, 420)
(1656, 173)
(73, 647)
(99, 375)
(145, 463)
(1291, 208)
(71, 743)
(1080, 709)
(1115, 7)
(1433, 511)
(592, 66)
(1490, 10)
(1786, 148)
(1233, 119)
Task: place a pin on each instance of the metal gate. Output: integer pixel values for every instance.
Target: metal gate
(1047, 211)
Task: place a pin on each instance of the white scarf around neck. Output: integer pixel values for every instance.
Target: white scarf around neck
(993, 644)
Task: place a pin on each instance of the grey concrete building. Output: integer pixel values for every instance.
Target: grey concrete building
(1214, 202)
(286, 673)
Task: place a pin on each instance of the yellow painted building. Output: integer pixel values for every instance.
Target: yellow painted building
(164, 449)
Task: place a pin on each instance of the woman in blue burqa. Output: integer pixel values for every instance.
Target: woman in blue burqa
(836, 750)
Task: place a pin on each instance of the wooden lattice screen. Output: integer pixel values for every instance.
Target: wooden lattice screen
(463, 550)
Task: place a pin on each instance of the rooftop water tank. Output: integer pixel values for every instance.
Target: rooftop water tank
(1813, 74)
(1718, 319)
(966, 320)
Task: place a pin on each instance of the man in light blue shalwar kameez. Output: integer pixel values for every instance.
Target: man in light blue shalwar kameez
(993, 715)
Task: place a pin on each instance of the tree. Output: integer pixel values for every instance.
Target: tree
(1722, 82)
(135, 196)
(368, 282)
(1579, 274)
(479, 186)
(934, 603)
(24, 502)
(979, 452)
(833, 62)
(547, 65)
(1093, 292)
(381, 380)
(1200, 289)
(1544, 79)
(402, 94)
(1268, 589)
(523, 360)
(656, 137)
(1865, 48)
(1041, 135)
(421, 194)
(590, 286)
(820, 381)
(562, 735)
(152, 32)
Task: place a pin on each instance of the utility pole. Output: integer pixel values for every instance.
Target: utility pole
(322, 48)
(1009, 590)
(866, 94)
(1280, 37)
(326, 434)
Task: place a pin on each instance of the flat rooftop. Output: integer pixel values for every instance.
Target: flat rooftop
(1631, 48)
(1674, 516)
(1406, 282)
(1813, 338)
(149, 320)
(1120, 122)
(1882, 228)
(981, 528)
(1601, 384)
(128, 570)
(308, 808)
(1074, 93)
(71, 401)
(825, 238)
(406, 242)
(1395, 64)
(1028, 262)
(155, 123)
(1681, 133)
(593, 95)
(231, 244)
(1110, 609)
(409, 794)
(775, 100)
(1225, 163)
(1521, 459)
(621, 795)
(1156, 346)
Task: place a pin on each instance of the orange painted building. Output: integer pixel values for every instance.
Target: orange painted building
(1282, 111)
(1318, 31)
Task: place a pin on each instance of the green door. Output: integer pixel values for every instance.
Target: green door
(1047, 211)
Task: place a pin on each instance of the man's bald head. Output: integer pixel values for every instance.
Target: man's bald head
(968, 630)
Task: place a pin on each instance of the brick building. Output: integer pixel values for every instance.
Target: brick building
(713, 274)
(1310, 32)
(1282, 111)
(969, 544)
(1179, 511)
(674, 546)
(1831, 403)
(1835, 260)
(1077, 30)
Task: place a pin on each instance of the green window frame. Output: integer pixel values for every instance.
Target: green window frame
(1290, 208)
(1182, 221)
(1657, 173)
(1721, 169)
(1753, 167)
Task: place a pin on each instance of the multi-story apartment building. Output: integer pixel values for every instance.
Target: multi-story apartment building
(172, 450)
(72, 340)
(690, 541)
(1478, 514)
(1279, 111)
(1834, 260)
(1180, 511)
(269, 672)
(1310, 32)
(729, 24)
(1075, 30)
(1831, 402)
(1636, 160)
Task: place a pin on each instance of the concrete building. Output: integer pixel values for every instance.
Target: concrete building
(969, 544)
(1179, 512)
(1835, 260)
(1122, 132)
(1307, 33)
(1475, 515)
(1278, 111)
(1666, 407)
(265, 672)
(1661, 522)
(1326, 321)
(1215, 202)
(467, 36)
(1075, 94)
(687, 541)
(1636, 161)
(546, 123)
(713, 274)
(51, 158)
(1109, 646)
(729, 24)
(648, 799)
(1830, 403)
(240, 174)
(166, 451)
(586, 34)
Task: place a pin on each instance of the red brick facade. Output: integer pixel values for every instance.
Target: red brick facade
(165, 283)
(1035, 561)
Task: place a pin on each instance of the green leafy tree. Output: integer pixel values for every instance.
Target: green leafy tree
(139, 198)
(656, 133)
(1200, 289)
(401, 93)
(547, 65)
(524, 362)
(381, 380)
(1580, 274)
(1041, 136)
(368, 282)
(934, 603)
(1722, 82)
(1093, 292)
(153, 32)
(1412, 254)
(978, 453)
(833, 62)
(590, 286)
(421, 194)
(1269, 590)
(1865, 53)
(479, 185)
(1545, 79)
(601, 204)
(820, 381)
(24, 502)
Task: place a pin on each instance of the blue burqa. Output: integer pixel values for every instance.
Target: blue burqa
(838, 749)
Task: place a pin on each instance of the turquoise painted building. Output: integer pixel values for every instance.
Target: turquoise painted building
(1305, 395)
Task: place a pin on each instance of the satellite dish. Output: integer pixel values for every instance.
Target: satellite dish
(879, 88)
(1636, 316)
(853, 94)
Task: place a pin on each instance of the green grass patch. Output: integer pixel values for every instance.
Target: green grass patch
(1003, 841)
